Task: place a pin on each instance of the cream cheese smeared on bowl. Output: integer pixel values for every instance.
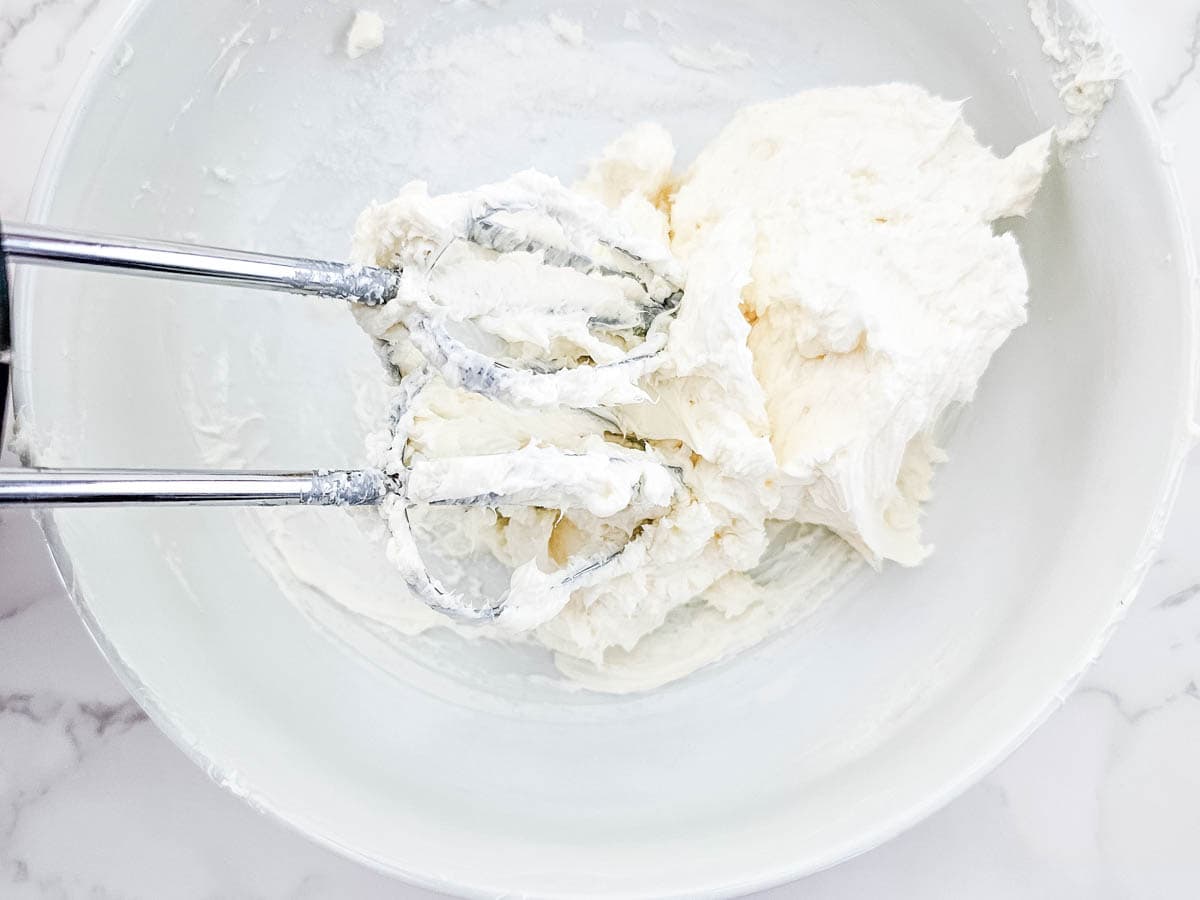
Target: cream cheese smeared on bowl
(843, 288)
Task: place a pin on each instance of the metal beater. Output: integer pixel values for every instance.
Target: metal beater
(584, 243)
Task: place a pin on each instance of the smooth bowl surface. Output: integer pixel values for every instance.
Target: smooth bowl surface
(468, 767)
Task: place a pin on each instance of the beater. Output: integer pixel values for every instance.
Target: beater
(558, 228)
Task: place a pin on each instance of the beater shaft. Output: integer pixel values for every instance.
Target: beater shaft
(186, 262)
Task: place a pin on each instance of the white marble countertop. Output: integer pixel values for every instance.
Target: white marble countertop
(1103, 801)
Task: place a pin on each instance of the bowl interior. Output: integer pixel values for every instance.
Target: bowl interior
(465, 765)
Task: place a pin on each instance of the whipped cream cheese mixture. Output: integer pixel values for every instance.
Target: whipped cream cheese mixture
(365, 34)
(844, 287)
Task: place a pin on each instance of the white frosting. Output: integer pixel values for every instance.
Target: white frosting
(844, 288)
(567, 30)
(716, 57)
(365, 34)
(1086, 67)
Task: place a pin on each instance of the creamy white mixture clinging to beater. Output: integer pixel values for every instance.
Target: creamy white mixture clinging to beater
(844, 287)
